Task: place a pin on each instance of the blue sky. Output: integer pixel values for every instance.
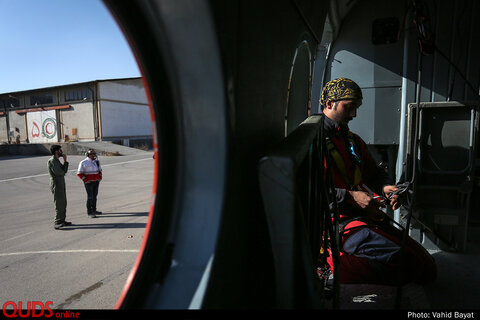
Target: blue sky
(46, 43)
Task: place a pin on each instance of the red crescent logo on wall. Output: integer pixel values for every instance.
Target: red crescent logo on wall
(49, 128)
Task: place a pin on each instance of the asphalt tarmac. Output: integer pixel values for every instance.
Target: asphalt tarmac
(83, 266)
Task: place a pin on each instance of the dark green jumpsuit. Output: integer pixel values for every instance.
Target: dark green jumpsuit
(57, 172)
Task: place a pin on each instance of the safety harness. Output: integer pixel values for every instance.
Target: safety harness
(340, 163)
(354, 185)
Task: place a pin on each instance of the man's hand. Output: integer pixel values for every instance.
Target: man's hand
(64, 157)
(387, 190)
(364, 201)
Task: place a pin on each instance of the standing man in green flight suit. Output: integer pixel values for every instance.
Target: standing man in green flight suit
(57, 172)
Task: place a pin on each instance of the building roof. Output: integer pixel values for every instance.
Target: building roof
(68, 85)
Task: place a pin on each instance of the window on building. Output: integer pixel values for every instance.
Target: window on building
(78, 94)
(39, 99)
(9, 102)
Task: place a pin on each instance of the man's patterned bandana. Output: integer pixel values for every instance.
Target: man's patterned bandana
(340, 89)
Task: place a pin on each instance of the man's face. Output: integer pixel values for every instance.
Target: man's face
(92, 154)
(343, 111)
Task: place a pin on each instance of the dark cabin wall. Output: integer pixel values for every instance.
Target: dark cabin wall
(379, 68)
(257, 40)
(456, 25)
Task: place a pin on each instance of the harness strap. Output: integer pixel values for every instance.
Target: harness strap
(340, 163)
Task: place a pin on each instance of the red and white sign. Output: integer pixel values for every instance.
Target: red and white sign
(42, 126)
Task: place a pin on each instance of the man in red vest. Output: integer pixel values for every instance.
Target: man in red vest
(370, 246)
(90, 171)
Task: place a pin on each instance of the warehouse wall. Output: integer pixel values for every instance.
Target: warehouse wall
(78, 122)
(124, 110)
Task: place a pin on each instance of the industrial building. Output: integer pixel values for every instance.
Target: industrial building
(113, 110)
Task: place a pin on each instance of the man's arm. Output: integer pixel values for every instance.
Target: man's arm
(377, 179)
(99, 169)
(57, 168)
(65, 163)
(80, 172)
(347, 200)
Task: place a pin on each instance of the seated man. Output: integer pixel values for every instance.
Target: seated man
(369, 245)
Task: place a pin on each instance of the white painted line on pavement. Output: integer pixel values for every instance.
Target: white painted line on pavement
(74, 170)
(69, 251)
(114, 164)
(27, 177)
(22, 235)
